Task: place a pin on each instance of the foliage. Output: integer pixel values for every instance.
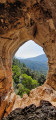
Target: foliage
(41, 79)
(16, 73)
(25, 79)
(28, 82)
(22, 90)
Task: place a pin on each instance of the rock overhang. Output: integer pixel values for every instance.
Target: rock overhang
(20, 21)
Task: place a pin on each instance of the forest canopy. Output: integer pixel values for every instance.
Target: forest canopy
(25, 79)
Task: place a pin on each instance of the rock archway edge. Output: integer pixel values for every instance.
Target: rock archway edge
(21, 21)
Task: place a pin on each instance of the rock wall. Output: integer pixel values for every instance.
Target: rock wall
(43, 112)
(20, 21)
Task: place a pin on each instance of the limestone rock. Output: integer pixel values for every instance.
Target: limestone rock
(44, 112)
(44, 92)
(20, 21)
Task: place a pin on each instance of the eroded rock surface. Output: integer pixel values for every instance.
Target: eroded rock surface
(44, 112)
(44, 92)
(20, 21)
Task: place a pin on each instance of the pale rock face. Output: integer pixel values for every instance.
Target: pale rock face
(20, 21)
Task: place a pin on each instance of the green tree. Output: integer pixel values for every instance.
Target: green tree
(41, 79)
(25, 79)
(16, 62)
(22, 90)
(16, 73)
(28, 82)
(34, 83)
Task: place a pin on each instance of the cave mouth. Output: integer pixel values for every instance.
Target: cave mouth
(31, 20)
(29, 68)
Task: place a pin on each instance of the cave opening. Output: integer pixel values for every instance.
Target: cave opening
(29, 68)
(18, 24)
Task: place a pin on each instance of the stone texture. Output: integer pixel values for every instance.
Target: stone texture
(44, 112)
(44, 92)
(20, 21)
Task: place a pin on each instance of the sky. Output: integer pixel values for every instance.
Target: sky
(29, 49)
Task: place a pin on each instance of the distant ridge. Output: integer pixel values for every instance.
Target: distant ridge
(36, 63)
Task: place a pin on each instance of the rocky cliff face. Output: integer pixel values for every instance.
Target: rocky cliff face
(20, 21)
(44, 112)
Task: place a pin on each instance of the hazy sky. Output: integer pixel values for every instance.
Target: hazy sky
(29, 49)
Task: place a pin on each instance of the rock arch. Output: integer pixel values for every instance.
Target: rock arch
(20, 21)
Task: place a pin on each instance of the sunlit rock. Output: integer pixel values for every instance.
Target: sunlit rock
(20, 21)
